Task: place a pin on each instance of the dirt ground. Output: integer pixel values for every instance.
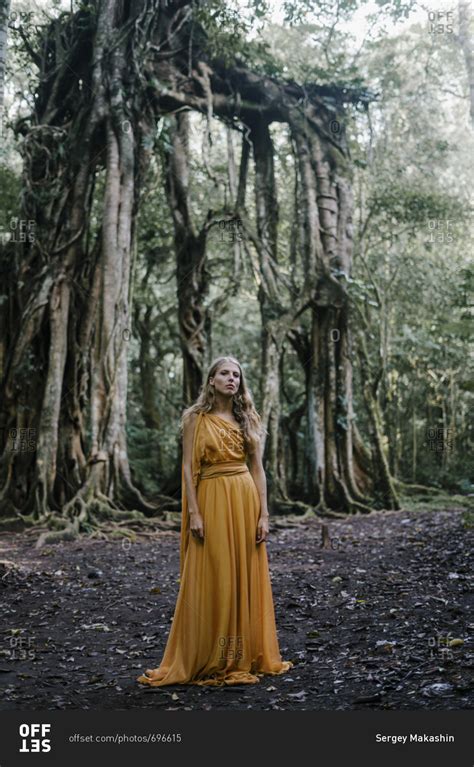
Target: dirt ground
(379, 620)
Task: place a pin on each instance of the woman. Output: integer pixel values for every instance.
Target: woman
(223, 631)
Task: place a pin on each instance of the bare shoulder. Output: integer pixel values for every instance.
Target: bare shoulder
(189, 423)
(190, 419)
(255, 456)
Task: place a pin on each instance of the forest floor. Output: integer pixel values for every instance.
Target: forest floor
(379, 620)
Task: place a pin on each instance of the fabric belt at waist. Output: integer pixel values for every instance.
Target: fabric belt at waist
(224, 468)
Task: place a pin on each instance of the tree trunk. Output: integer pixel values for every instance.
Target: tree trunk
(192, 278)
(465, 40)
(76, 325)
(273, 329)
(337, 479)
(4, 17)
(384, 487)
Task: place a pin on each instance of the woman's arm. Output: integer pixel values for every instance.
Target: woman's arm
(195, 520)
(258, 474)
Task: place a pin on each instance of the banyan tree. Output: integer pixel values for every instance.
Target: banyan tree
(108, 73)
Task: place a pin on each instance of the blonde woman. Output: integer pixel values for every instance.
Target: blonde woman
(223, 630)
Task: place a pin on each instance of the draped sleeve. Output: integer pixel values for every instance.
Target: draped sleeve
(195, 468)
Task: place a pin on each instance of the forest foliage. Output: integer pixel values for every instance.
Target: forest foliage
(411, 295)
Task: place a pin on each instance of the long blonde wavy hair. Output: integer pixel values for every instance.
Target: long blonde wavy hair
(243, 406)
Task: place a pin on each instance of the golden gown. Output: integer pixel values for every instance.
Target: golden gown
(223, 630)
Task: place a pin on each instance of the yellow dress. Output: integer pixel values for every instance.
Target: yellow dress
(223, 630)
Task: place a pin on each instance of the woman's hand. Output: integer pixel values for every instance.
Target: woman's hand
(262, 528)
(196, 525)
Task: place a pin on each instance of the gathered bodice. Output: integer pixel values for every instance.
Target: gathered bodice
(217, 441)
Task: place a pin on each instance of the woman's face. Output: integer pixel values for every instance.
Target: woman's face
(226, 380)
